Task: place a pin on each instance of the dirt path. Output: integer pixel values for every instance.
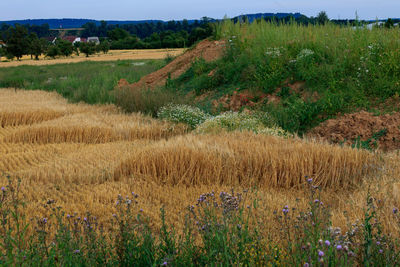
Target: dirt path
(111, 56)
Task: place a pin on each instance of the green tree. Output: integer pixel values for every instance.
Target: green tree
(322, 18)
(389, 23)
(104, 46)
(53, 51)
(118, 34)
(88, 48)
(38, 47)
(17, 41)
(65, 47)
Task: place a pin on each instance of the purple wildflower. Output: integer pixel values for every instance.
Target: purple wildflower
(309, 180)
(380, 251)
(378, 243)
(165, 263)
(44, 220)
(339, 247)
(114, 215)
(68, 216)
(76, 251)
(3, 189)
(141, 210)
(306, 264)
(395, 210)
(85, 219)
(327, 243)
(316, 201)
(321, 253)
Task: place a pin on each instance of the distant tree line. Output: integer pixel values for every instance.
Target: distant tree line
(19, 42)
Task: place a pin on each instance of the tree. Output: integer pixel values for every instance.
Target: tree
(118, 34)
(65, 47)
(53, 51)
(17, 41)
(38, 47)
(88, 48)
(389, 23)
(322, 18)
(104, 46)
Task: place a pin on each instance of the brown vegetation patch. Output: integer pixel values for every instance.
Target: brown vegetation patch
(208, 50)
(363, 125)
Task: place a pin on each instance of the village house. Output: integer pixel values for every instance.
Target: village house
(94, 40)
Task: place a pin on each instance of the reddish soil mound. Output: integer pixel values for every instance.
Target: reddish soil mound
(362, 125)
(208, 50)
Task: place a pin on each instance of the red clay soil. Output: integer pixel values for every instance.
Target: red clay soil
(208, 50)
(363, 124)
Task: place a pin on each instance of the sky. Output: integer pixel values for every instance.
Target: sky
(191, 9)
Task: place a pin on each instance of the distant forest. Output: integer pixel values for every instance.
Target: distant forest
(26, 37)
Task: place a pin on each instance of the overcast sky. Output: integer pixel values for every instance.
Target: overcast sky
(191, 9)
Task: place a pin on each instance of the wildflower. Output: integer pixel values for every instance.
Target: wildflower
(339, 247)
(165, 263)
(85, 219)
(114, 215)
(3, 189)
(316, 201)
(309, 180)
(321, 253)
(395, 210)
(68, 216)
(141, 210)
(380, 251)
(285, 210)
(76, 251)
(378, 243)
(44, 220)
(306, 264)
(327, 243)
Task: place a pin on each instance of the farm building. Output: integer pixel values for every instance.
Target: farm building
(94, 40)
(74, 39)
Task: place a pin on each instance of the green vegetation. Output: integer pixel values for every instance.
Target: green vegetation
(340, 69)
(91, 82)
(220, 230)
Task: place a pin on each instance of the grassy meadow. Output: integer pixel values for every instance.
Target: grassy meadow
(90, 82)
(88, 185)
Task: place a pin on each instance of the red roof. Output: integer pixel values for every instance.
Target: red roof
(69, 38)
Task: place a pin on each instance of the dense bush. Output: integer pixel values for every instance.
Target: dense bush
(147, 101)
(189, 115)
(234, 121)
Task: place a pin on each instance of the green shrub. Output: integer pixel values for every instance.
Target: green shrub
(189, 115)
(235, 121)
(147, 101)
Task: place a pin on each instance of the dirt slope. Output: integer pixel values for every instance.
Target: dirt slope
(208, 50)
(349, 127)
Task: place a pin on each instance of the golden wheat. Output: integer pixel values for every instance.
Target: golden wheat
(248, 159)
(87, 156)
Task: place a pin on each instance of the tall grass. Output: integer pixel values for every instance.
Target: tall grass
(343, 68)
(90, 82)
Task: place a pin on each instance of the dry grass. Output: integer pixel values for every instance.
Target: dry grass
(85, 175)
(248, 159)
(111, 56)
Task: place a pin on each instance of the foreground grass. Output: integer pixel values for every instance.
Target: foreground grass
(220, 230)
(90, 82)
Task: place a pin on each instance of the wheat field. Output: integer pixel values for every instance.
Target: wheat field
(133, 54)
(83, 156)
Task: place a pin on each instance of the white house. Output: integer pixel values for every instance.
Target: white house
(94, 40)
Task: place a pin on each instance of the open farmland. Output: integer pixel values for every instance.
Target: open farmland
(134, 54)
(84, 156)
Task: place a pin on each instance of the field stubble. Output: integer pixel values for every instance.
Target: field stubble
(83, 156)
